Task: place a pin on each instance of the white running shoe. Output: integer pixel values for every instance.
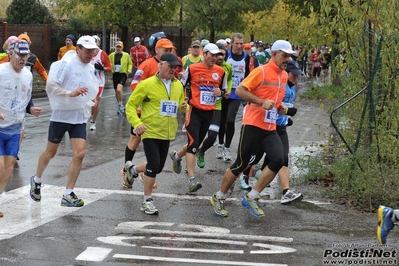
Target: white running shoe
(148, 207)
(227, 155)
(220, 152)
(92, 126)
(242, 180)
(290, 197)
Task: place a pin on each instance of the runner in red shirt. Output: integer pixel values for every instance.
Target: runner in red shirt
(138, 53)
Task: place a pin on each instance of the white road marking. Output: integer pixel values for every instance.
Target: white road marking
(136, 234)
(184, 260)
(202, 250)
(94, 254)
(118, 240)
(192, 239)
(271, 249)
(266, 248)
(199, 231)
(21, 213)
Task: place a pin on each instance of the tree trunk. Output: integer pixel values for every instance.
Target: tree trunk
(125, 38)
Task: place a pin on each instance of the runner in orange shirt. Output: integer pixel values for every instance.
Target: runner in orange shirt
(69, 40)
(263, 89)
(207, 82)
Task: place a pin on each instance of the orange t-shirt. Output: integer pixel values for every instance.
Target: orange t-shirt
(146, 69)
(4, 59)
(64, 49)
(267, 82)
(202, 81)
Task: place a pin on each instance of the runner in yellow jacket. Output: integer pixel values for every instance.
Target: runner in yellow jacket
(160, 97)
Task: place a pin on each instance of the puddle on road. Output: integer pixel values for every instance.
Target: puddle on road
(297, 156)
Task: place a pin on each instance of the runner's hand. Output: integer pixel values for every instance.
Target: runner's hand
(98, 66)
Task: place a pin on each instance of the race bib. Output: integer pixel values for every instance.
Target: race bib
(316, 64)
(236, 80)
(168, 108)
(207, 98)
(117, 68)
(288, 105)
(271, 116)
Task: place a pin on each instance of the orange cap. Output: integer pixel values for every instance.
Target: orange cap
(25, 37)
(120, 43)
(247, 46)
(165, 43)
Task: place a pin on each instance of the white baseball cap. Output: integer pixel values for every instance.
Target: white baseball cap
(96, 38)
(137, 39)
(212, 48)
(228, 40)
(222, 42)
(284, 46)
(87, 42)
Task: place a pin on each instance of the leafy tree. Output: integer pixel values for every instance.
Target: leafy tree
(218, 16)
(303, 8)
(4, 4)
(28, 12)
(121, 15)
(255, 26)
(273, 24)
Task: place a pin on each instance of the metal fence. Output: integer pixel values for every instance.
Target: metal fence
(366, 121)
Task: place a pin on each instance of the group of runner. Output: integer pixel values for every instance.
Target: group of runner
(211, 76)
(209, 87)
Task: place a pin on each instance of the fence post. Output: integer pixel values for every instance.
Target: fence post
(5, 31)
(47, 44)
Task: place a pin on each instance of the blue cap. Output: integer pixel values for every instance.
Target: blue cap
(293, 67)
(70, 36)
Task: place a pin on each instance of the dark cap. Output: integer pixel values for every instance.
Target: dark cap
(171, 59)
(196, 44)
(293, 67)
(71, 37)
(221, 46)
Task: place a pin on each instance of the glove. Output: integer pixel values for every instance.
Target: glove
(291, 111)
(289, 122)
(98, 66)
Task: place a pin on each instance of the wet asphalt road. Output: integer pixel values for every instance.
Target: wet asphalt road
(111, 230)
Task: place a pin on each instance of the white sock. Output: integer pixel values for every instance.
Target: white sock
(121, 104)
(220, 194)
(37, 180)
(68, 191)
(190, 179)
(176, 156)
(253, 193)
(134, 171)
(145, 198)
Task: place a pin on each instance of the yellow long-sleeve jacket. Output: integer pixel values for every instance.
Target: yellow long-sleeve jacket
(152, 95)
